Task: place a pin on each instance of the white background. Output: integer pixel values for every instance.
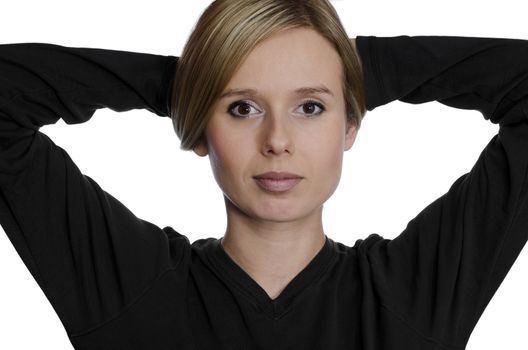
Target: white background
(405, 156)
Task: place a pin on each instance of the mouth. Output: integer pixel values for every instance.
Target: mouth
(277, 185)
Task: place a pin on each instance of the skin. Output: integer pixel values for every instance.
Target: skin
(272, 237)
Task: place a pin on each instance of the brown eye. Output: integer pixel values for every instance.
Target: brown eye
(309, 110)
(310, 106)
(243, 108)
(239, 109)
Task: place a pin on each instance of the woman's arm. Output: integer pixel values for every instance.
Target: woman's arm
(439, 274)
(90, 255)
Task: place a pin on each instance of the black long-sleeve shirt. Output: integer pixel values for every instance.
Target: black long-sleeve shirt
(119, 282)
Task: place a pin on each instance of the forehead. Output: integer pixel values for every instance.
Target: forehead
(288, 60)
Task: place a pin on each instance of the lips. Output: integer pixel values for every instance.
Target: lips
(283, 185)
(274, 175)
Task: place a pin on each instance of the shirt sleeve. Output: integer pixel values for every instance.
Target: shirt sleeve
(89, 254)
(440, 273)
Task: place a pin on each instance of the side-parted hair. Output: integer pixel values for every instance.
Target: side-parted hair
(226, 33)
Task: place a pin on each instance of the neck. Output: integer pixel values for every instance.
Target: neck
(273, 253)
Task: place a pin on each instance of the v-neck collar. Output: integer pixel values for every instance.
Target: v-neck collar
(233, 274)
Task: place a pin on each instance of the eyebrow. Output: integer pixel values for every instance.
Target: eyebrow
(321, 89)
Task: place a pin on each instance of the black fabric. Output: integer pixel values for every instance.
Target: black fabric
(119, 282)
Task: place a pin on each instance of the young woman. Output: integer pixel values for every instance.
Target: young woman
(264, 88)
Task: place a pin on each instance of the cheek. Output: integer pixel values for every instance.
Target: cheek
(329, 161)
(228, 156)
(327, 145)
(325, 156)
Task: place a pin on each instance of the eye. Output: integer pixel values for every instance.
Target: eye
(236, 106)
(313, 104)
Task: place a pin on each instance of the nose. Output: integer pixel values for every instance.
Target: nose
(277, 134)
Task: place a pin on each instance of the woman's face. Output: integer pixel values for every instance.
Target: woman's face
(277, 129)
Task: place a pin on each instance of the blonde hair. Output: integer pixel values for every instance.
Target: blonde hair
(226, 33)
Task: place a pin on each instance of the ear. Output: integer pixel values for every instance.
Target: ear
(350, 135)
(201, 148)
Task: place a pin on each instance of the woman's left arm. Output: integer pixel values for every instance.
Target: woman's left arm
(440, 273)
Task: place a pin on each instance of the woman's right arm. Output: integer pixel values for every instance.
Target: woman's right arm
(90, 255)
